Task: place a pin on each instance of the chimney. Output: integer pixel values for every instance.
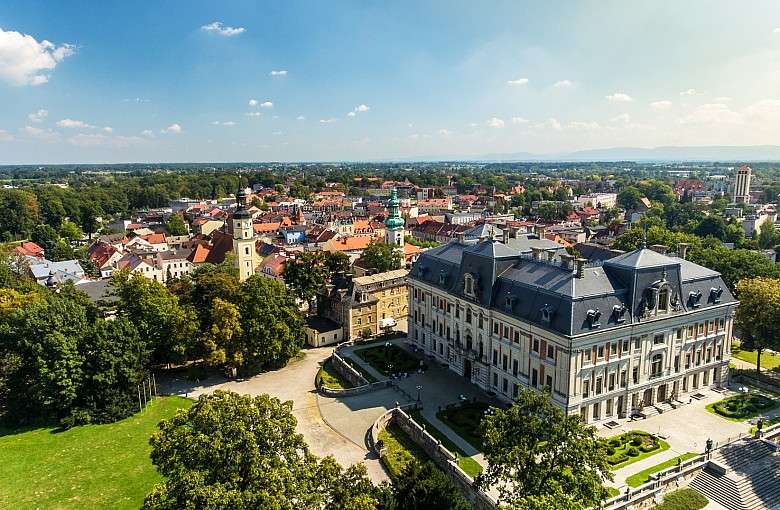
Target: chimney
(566, 261)
(551, 254)
(580, 265)
(659, 248)
(682, 250)
(537, 252)
(461, 237)
(513, 231)
(505, 236)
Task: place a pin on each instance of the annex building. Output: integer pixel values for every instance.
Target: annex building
(607, 338)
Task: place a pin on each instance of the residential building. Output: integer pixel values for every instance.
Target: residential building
(742, 185)
(607, 339)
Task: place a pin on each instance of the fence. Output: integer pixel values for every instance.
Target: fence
(444, 458)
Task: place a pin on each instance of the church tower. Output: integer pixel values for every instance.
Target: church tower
(394, 224)
(243, 239)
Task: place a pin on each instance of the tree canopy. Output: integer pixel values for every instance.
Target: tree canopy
(382, 257)
(758, 314)
(535, 451)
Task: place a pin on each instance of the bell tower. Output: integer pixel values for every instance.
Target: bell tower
(243, 239)
(394, 224)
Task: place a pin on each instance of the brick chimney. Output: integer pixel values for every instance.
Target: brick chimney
(567, 261)
(659, 248)
(682, 250)
(580, 265)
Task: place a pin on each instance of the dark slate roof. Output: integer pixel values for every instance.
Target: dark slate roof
(552, 297)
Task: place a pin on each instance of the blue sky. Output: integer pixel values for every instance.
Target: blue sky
(173, 81)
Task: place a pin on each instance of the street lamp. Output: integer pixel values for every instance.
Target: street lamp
(387, 354)
(708, 447)
(418, 392)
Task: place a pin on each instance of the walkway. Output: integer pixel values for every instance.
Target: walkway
(294, 382)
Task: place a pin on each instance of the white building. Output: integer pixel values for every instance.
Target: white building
(742, 185)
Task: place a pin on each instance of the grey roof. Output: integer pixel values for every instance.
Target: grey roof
(552, 297)
(66, 268)
(483, 230)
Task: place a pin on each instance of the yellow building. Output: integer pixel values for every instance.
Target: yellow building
(368, 305)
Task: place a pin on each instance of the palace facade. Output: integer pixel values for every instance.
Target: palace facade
(608, 339)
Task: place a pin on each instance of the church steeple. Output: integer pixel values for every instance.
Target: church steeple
(243, 238)
(394, 224)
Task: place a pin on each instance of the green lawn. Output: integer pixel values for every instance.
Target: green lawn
(741, 407)
(400, 450)
(91, 466)
(642, 477)
(768, 361)
(466, 463)
(465, 420)
(683, 499)
(767, 423)
(633, 446)
(331, 378)
(381, 358)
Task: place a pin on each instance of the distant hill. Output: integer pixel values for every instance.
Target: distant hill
(735, 153)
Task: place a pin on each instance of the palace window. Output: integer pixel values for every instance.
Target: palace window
(656, 365)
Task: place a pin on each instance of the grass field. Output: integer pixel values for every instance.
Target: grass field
(465, 420)
(769, 361)
(92, 466)
(381, 358)
(400, 450)
(331, 378)
(683, 499)
(641, 477)
(470, 466)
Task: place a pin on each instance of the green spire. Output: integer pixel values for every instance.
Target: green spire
(394, 220)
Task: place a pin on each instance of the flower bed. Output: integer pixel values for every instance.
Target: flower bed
(743, 406)
(632, 446)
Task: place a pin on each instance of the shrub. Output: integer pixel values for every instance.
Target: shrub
(615, 442)
(650, 447)
(633, 452)
(617, 458)
(610, 450)
(636, 441)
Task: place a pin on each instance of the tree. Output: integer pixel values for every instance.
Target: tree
(711, 226)
(19, 211)
(758, 314)
(306, 275)
(62, 251)
(233, 451)
(212, 281)
(629, 198)
(71, 231)
(382, 257)
(176, 226)
(535, 450)
(273, 328)
(88, 215)
(222, 340)
(767, 234)
(422, 486)
(45, 237)
(168, 327)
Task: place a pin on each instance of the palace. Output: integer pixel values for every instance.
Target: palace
(607, 339)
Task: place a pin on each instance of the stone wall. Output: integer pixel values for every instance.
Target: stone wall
(346, 371)
(445, 459)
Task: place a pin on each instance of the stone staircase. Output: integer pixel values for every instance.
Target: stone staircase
(663, 407)
(742, 476)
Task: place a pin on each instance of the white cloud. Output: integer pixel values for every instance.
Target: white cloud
(663, 104)
(519, 120)
(350, 114)
(42, 134)
(444, 132)
(551, 123)
(776, 31)
(223, 123)
(26, 61)
(74, 124)
(563, 84)
(253, 103)
(623, 117)
(280, 72)
(414, 136)
(712, 113)
(137, 100)
(689, 92)
(517, 82)
(38, 116)
(147, 133)
(579, 126)
(300, 117)
(495, 122)
(5, 136)
(277, 133)
(254, 114)
(108, 129)
(172, 129)
(723, 99)
(216, 27)
(361, 108)
(619, 97)
(266, 104)
(101, 140)
(327, 121)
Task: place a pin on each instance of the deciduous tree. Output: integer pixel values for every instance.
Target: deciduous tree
(758, 314)
(382, 257)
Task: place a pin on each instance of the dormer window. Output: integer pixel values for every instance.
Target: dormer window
(715, 294)
(547, 313)
(468, 285)
(509, 302)
(442, 277)
(593, 317)
(694, 298)
(619, 311)
(663, 300)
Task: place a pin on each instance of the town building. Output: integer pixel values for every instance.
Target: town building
(245, 255)
(609, 339)
(742, 185)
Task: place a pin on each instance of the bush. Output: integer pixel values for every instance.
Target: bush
(610, 450)
(636, 441)
(650, 447)
(633, 452)
(615, 442)
(617, 458)
(683, 499)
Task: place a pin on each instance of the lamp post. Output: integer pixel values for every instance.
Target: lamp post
(387, 354)
(418, 392)
(708, 447)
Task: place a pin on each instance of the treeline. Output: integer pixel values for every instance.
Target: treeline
(60, 360)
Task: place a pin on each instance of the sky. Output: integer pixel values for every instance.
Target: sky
(195, 81)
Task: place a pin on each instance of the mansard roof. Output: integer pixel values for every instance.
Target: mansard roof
(551, 296)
